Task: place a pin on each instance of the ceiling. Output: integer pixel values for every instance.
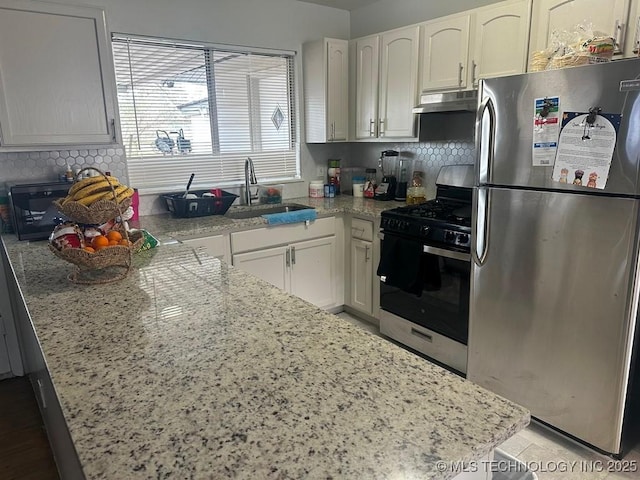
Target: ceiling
(342, 4)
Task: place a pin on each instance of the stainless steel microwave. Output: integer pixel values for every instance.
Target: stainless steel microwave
(33, 213)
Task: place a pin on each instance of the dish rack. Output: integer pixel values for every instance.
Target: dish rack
(108, 264)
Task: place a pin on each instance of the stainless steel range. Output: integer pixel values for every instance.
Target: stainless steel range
(424, 270)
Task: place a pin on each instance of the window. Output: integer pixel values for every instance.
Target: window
(189, 108)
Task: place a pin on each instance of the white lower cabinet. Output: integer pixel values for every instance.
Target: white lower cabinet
(304, 269)
(269, 264)
(362, 276)
(301, 259)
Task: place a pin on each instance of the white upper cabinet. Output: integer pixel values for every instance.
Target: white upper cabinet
(632, 42)
(366, 87)
(56, 76)
(326, 90)
(458, 50)
(499, 41)
(386, 84)
(610, 17)
(445, 53)
(398, 82)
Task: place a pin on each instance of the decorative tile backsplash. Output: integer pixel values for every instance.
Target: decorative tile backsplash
(428, 156)
(46, 166)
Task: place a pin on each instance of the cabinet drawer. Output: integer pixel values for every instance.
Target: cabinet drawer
(362, 229)
(281, 235)
(215, 245)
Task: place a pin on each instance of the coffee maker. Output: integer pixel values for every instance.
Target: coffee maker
(387, 188)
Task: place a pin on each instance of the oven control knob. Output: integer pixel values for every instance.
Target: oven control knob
(449, 236)
(424, 230)
(463, 238)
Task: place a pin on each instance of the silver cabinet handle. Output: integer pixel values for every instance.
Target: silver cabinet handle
(381, 129)
(113, 130)
(618, 35)
(366, 253)
(288, 258)
(637, 37)
(372, 127)
(293, 255)
(473, 72)
(460, 68)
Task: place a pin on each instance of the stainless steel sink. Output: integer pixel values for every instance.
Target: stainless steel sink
(251, 212)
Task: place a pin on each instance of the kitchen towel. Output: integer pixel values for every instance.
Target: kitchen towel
(406, 267)
(305, 215)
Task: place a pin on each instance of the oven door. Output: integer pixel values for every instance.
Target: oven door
(443, 304)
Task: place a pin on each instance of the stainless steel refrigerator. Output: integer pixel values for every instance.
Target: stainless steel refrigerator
(555, 277)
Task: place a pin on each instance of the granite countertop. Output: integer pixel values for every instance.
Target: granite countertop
(166, 224)
(189, 368)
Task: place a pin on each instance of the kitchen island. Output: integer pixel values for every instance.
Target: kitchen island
(189, 368)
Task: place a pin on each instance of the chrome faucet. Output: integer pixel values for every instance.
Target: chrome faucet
(249, 179)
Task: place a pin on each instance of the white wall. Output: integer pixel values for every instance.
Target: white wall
(388, 14)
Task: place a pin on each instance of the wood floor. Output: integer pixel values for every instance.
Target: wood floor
(24, 447)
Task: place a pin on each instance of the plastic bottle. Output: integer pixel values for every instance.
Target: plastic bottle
(370, 184)
(68, 174)
(333, 172)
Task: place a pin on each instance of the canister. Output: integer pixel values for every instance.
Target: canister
(358, 186)
(316, 189)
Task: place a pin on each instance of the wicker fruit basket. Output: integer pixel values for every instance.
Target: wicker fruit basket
(108, 264)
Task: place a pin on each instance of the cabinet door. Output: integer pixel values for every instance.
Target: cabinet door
(52, 75)
(362, 275)
(556, 15)
(366, 82)
(313, 271)
(398, 82)
(337, 89)
(269, 264)
(445, 54)
(493, 54)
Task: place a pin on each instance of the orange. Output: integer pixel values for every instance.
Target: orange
(114, 235)
(100, 241)
(89, 249)
(113, 243)
(125, 243)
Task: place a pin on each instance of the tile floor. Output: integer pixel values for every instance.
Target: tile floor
(552, 455)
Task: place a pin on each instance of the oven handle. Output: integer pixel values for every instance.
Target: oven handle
(441, 252)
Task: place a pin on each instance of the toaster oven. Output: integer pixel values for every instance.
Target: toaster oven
(33, 213)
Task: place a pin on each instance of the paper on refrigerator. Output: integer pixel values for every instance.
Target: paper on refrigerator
(585, 150)
(546, 128)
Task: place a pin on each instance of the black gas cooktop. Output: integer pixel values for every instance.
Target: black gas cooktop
(441, 221)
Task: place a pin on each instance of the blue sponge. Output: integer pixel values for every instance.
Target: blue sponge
(291, 217)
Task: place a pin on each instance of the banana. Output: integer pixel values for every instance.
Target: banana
(88, 181)
(93, 188)
(109, 195)
(125, 194)
(89, 199)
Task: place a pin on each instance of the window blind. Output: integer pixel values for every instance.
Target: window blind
(188, 108)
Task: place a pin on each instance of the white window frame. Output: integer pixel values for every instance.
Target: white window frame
(139, 166)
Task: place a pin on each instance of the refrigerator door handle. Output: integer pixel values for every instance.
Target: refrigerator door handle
(480, 225)
(485, 149)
